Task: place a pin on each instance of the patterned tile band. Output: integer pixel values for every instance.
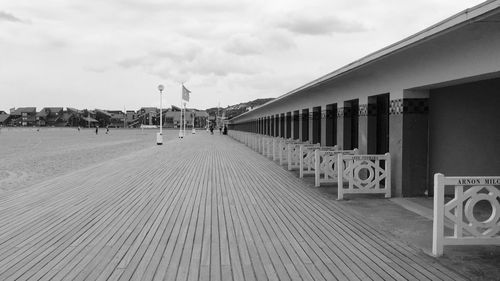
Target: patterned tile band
(363, 110)
(404, 106)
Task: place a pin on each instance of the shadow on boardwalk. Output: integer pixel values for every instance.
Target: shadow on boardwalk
(201, 208)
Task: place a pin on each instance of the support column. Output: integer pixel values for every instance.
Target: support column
(310, 123)
(363, 125)
(408, 142)
(340, 125)
(300, 125)
(323, 125)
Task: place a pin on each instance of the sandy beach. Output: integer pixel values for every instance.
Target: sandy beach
(28, 156)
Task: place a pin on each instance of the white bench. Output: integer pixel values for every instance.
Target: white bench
(326, 167)
(468, 230)
(364, 174)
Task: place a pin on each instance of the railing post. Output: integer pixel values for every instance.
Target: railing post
(317, 172)
(388, 168)
(438, 224)
(340, 177)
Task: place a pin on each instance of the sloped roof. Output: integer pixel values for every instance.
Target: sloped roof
(20, 110)
(4, 117)
(89, 119)
(103, 112)
(73, 110)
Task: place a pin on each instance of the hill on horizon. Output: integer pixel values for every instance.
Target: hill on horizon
(237, 109)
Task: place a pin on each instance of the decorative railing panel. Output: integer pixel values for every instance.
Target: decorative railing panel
(326, 167)
(468, 229)
(306, 153)
(293, 156)
(364, 174)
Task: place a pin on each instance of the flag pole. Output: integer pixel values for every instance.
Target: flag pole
(180, 125)
(184, 123)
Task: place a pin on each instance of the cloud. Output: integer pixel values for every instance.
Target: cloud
(264, 42)
(317, 24)
(9, 17)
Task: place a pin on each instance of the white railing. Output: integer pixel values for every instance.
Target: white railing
(293, 157)
(267, 146)
(306, 154)
(468, 230)
(283, 150)
(364, 174)
(326, 167)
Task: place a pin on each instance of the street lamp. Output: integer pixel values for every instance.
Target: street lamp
(159, 137)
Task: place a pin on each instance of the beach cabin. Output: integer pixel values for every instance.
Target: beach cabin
(431, 100)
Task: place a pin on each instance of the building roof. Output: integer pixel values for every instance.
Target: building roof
(4, 117)
(21, 110)
(89, 119)
(104, 112)
(460, 19)
(53, 109)
(73, 110)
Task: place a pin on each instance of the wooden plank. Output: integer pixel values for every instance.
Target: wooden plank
(201, 208)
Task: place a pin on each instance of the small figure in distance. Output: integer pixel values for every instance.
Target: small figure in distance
(211, 129)
(96, 129)
(220, 130)
(78, 128)
(107, 129)
(225, 130)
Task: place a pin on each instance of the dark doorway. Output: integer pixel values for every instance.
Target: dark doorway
(378, 124)
(316, 124)
(268, 121)
(276, 125)
(331, 124)
(296, 120)
(282, 125)
(305, 124)
(351, 112)
(288, 122)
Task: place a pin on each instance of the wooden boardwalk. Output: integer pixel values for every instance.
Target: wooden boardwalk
(202, 208)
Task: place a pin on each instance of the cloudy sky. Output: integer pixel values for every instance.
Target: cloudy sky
(112, 54)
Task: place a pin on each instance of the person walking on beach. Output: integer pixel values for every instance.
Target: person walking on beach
(78, 128)
(211, 129)
(107, 129)
(96, 129)
(220, 130)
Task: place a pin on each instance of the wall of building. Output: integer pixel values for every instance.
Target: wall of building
(464, 129)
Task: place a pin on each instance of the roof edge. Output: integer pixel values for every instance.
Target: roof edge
(464, 17)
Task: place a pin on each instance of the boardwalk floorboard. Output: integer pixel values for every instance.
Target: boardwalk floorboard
(200, 208)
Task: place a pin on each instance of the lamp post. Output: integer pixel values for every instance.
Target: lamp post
(159, 137)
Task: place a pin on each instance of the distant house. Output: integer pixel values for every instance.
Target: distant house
(173, 118)
(73, 117)
(88, 118)
(130, 116)
(23, 116)
(117, 119)
(50, 116)
(103, 117)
